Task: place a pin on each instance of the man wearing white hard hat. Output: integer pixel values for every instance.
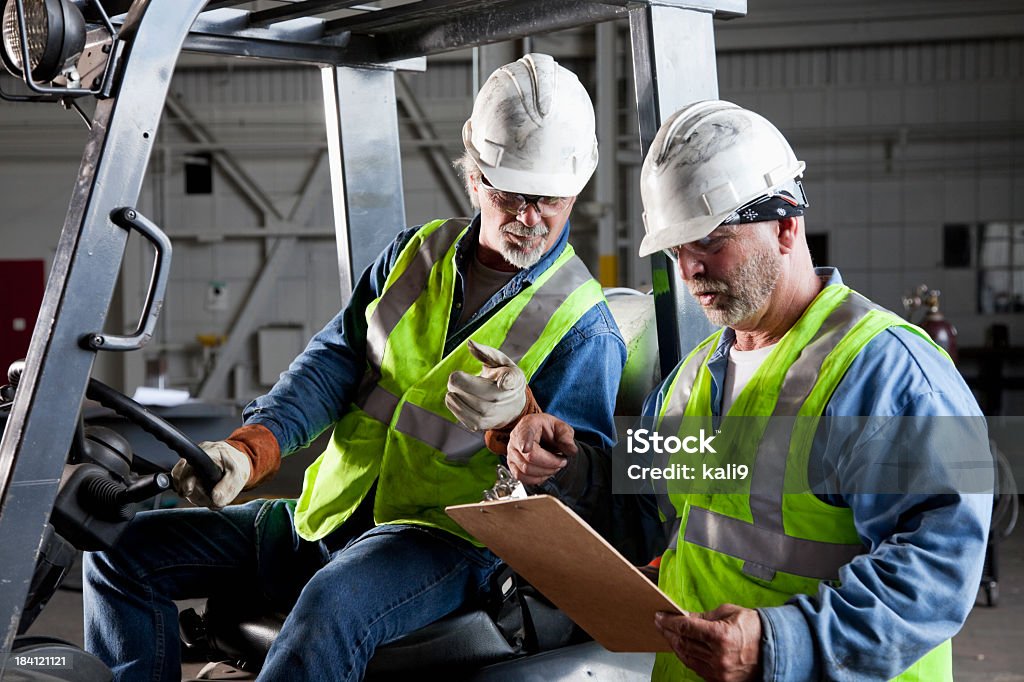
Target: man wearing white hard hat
(478, 321)
(847, 544)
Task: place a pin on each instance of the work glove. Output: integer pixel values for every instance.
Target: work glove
(493, 401)
(232, 461)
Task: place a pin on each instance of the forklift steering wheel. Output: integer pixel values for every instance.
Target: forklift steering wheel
(209, 473)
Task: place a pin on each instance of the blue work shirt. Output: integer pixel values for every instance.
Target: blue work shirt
(577, 382)
(918, 581)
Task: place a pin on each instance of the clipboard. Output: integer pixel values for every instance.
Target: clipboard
(558, 553)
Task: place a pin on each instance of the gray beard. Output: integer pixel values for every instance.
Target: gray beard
(746, 292)
(520, 258)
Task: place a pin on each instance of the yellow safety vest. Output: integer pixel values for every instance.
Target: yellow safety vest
(400, 433)
(760, 546)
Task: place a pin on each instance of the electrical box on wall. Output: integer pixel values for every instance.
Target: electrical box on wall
(277, 347)
(216, 297)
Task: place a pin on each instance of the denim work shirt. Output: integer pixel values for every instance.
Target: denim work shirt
(577, 382)
(918, 581)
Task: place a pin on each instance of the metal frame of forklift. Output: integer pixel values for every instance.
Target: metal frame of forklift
(674, 64)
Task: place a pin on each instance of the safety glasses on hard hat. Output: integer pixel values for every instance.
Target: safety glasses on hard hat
(708, 245)
(514, 204)
(783, 202)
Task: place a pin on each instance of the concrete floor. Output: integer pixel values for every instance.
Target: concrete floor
(990, 647)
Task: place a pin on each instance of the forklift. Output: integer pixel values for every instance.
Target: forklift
(122, 54)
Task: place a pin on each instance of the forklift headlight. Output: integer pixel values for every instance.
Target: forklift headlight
(56, 37)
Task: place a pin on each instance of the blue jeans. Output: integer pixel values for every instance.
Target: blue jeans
(384, 584)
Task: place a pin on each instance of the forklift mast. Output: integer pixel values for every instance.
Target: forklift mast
(358, 55)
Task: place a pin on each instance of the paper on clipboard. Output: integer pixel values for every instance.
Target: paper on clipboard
(558, 553)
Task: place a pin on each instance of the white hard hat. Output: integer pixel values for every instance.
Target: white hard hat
(708, 160)
(532, 129)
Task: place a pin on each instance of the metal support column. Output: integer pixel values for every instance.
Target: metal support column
(85, 270)
(674, 65)
(366, 165)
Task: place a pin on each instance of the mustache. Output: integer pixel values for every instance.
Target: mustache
(518, 229)
(707, 286)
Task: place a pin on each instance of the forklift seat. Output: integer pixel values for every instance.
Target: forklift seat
(236, 631)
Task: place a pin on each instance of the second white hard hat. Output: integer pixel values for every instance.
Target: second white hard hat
(708, 160)
(532, 129)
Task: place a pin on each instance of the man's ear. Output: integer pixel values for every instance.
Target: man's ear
(789, 234)
(473, 189)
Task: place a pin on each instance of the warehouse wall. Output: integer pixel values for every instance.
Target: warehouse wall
(40, 150)
(269, 124)
(900, 140)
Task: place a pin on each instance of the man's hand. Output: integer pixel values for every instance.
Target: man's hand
(492, 400)
(235, 465)
(723, 645)
(538, 447)
(651, 571)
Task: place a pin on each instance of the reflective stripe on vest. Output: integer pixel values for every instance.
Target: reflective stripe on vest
(531, 322)
(398, 298)
(769, 472)
(682, 385)
(456, 441)
(679, 395)
(760, 547)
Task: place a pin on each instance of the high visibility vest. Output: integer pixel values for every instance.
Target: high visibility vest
(400, 433)
(760, 546)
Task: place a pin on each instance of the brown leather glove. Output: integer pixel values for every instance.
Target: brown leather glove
(259, 445)
(497, 439)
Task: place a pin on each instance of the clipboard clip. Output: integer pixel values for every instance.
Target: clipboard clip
(506, 487)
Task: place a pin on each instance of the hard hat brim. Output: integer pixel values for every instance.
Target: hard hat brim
(673, 235)
(530, 181)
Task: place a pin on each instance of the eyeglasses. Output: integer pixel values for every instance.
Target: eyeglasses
(514, 204)
(702, 247)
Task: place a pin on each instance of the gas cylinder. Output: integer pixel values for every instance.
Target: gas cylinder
(938, 327)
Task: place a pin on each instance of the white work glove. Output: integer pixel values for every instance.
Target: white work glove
(235, 465)
(491, 400)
